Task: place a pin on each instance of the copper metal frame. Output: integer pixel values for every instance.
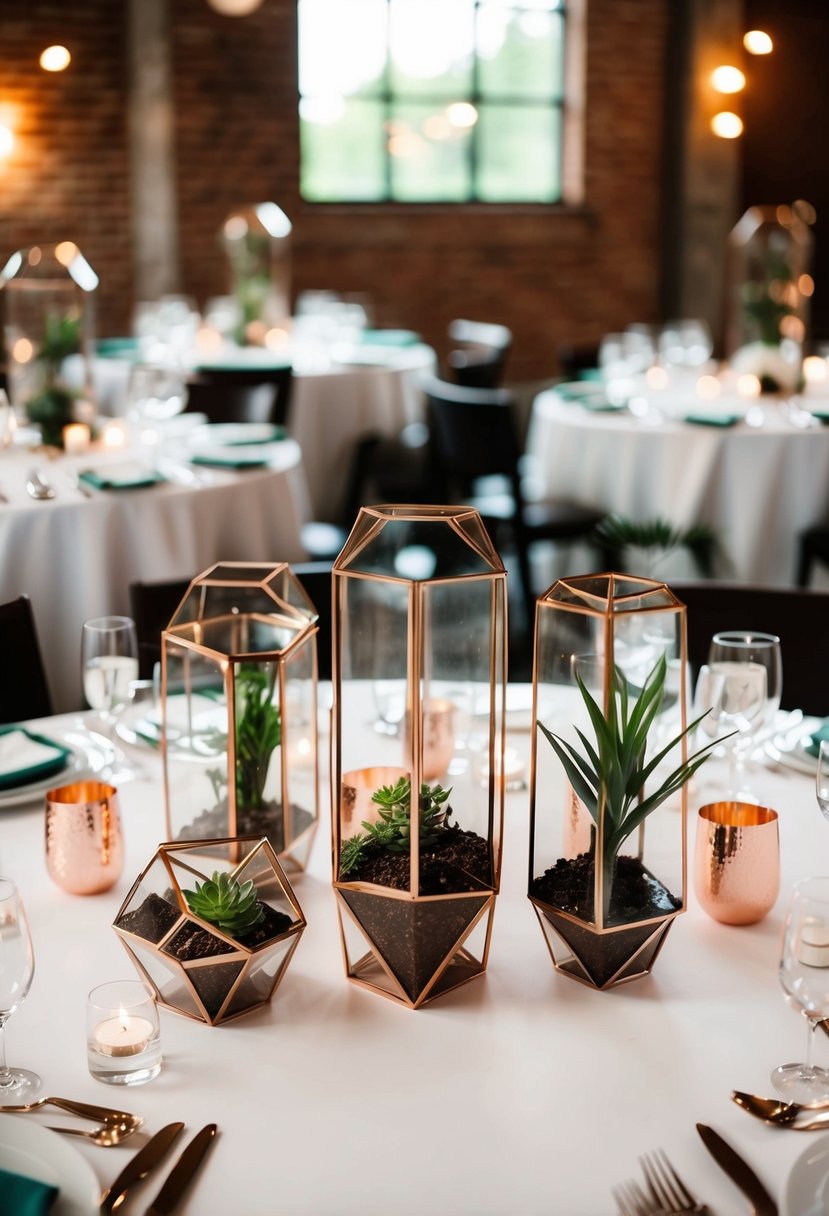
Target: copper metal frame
(240, 953)
(295, 849)
(554, 921)
(458, 965)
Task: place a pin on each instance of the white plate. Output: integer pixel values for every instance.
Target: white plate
(229, 434)
(29, 1149)
(87, 757)
(807, 1192)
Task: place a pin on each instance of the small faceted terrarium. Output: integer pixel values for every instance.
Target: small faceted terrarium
(212, 941)
(610, 760)
(419, 672)
(257, 242)
(239, 700)
(48, 293)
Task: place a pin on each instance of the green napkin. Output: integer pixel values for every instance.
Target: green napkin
(821, 415)
(20, 1196)
(389, 337)
(278, 433)
(589, 395)
(117, 348)
(232, 460)
(815, 739)
(713, 419)
(127, 476)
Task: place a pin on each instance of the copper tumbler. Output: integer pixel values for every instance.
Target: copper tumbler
(737, 861)
(84, 846)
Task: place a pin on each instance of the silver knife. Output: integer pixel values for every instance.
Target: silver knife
(139, 1166)
(739, 1171)
(179, 1177)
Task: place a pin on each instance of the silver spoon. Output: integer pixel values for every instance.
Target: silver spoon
(38, 487)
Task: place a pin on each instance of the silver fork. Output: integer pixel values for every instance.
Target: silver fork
(666, 1187)
(631, 1200)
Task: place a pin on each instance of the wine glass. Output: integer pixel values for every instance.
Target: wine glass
(734, 694)
(17, 966)
(749, 646)
(804, 975)
(109, 661)
(822, 778)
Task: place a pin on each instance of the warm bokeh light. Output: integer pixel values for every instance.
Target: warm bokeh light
(462, 114)
(208, 339)
(708, 388)
(55, 59)
(656, 377)
(235, 8)
(748, 385)
(66, 252)
(815, 370)
(276, 338)
(114, 434)
(793, 327)
(236, 227)
(806, 285)
(727, 125)
(436, 126)
(6, 140)
(757, 42)
(22, 350)
(35, 255)
(804, 211)
(784, 215)
(728, 79)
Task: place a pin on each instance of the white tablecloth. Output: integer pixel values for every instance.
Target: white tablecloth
(758, 486)
(76, 556)
(520, 1094)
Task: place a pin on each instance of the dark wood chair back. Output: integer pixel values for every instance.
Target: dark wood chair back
(24, 690)
(241, 395)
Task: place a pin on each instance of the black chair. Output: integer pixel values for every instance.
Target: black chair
(153, 604)
(476, 438)
(799, 618)
(480, 359)
(241, 395)
(24, 691)
(813, 547)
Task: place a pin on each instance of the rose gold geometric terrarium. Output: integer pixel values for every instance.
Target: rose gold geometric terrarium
(194, 967)
(419, 675)
(239, 700)
(620, 641)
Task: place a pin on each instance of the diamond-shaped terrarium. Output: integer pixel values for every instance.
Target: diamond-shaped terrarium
(419, 674)
(212, 941)
(239, 699)
(609, 756)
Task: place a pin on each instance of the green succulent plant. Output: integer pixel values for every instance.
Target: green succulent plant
(611, 773)
(231, 906)
(393, 831)
(258, 734)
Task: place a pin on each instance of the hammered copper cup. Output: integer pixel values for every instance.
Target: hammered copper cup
(737, 861)
(84, 846)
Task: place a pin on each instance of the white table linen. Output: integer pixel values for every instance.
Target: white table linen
(757, 486)
(523, 1093)
(75, 556)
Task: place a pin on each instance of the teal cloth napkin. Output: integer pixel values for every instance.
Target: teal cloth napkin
(20, 1196)
(389, 337)
(232, 460)
(25, 757)
(815, 739)
(821, 415)
(120, 477)
(713, 419)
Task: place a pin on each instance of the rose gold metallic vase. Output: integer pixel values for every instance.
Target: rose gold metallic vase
(737, 861)
(84, 847)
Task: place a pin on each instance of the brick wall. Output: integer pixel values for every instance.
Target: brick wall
(554, 278)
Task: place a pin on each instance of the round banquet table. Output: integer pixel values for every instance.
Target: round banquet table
(76, 554)
(758, 483)
(523, 1093)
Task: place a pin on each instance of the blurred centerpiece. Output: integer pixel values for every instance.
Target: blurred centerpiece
(48, 292)
(770, 253)
(420, 642)
(239, 700)
(257, 243)
(609, 751)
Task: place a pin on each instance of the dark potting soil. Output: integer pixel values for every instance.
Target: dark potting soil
(458, 861)
(634, 895)
(266, 820)
(152, 919)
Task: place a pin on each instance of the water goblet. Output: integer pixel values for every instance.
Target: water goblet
(17, 966)
(804, 976)
(734, 694)
(109, 660)
(749, 646)
(822, 778)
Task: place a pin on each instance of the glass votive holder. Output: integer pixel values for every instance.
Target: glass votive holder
(84, 845)
(123, 1036)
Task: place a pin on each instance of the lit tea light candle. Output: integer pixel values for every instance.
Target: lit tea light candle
(76, 438)
(748, 385)
(114, 435)
(708, 388)
(124, 1035)
(815, 370)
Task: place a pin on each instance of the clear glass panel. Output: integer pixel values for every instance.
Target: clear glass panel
(429, 154)
(432, 45)
(519, 154)
(299, 742)
(520, 52)
(417, 548)
(261, 977)
(342, 151)
(168, 979)
(342, 47)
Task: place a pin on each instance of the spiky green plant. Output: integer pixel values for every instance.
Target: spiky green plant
(659, 538)
(611, 773)
(258, 734)
(393, 831)
(226, 903)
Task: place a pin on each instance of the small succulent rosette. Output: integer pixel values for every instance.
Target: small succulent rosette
(213, 943)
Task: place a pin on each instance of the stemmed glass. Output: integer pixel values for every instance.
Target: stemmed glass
(822, 778)
(748, 646)
(804, 975)
(735, 696)
(109, 661)
(17, 966)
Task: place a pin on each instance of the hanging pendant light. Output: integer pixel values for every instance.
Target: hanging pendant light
(235, 8)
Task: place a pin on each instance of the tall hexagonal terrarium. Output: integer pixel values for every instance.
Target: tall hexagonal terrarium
(419, 678)
(212, 941)
(609, 756)
(239, 703)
